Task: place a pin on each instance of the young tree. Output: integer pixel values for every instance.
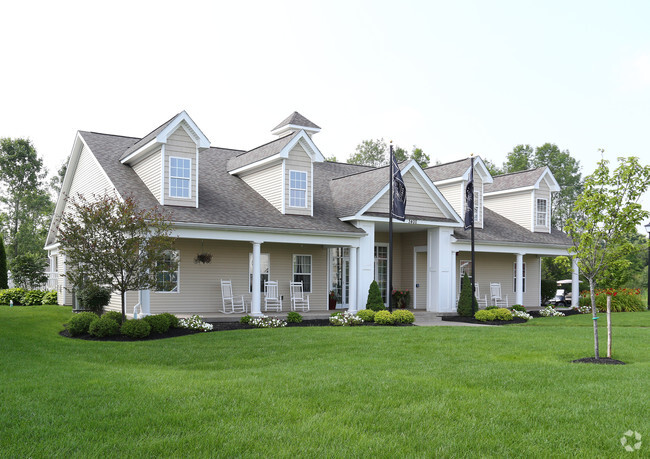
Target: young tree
(607, 210)
(28, 270)
(420, 157)
(4, 278)
(110, 241)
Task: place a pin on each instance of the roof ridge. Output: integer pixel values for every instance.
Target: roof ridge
(112, 135)
(267, 143)
(446, 164)
(371, 170)
(519, 172)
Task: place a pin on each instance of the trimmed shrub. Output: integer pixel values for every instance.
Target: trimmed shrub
(518, 307)
(384, 318)
(486, 315)
(173, 320)
(103, 326)
(623, 299)
(402, 316)
(503, 314)
(50, 297)
(245, 320)
(158, 322)
(375, 302)
(80, 323)
(94, 297)
(294, 318)
(33, 297)
(114, 315)
(467, 304)
(491, 307)
(368, 315)
(135, 328)
(12, 294)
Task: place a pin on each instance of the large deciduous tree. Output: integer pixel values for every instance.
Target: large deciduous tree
(606, 212)
(27, 206)
(375, 153)
(112, 241)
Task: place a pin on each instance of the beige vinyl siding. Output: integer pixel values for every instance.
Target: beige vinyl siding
(180, 145)
(200, 287)
(544, 192)
(115, 303)
(149, 170)
(267, 183)
(454, 194)
(89, 178)
(514, 206)
(498, 267)
(298, 160)
(418, 202)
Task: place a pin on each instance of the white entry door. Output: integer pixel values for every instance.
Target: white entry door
(421, 280)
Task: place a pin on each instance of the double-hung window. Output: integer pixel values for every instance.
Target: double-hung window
(302, 271)
(523, 277)
(297, 189)
(179, 177)
(542, 212)
(168, 275)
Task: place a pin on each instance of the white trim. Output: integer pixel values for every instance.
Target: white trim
(143, 150)
(52, 246)
(177, 254)
(417, 249)
(510, 190)
(180, 178)
(251, 261)
(256, 164)
(538, 213)
(199, 138)
(374, 267)
(523, 276)
(197, 177)
(295, 127)
(162, 175)
(409, 221)
(508, 247)
(311, 187)
(311, 271)
(284, 188)
(298, 189)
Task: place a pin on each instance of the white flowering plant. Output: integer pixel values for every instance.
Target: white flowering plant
(267, 322)
(583, 309)
(341, 319)
(521, 314)
(195, 323)
(550, 311)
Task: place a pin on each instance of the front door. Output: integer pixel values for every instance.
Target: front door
(340, 275)
(421, 280)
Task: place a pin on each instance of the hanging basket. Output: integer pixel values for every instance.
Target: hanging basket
(203, 258)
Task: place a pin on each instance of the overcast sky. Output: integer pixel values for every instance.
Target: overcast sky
(452, 77)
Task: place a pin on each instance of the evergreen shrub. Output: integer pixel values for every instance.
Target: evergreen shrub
(375, 302)
(246, 319)
(467, 304)
(173, 320)
(103, 326)
(368, 315)
(158, 323)
(94, 297)
(114, 315)
(294, 318)
(402, 316)
(384, 318)
(80, 323)
(135, 328)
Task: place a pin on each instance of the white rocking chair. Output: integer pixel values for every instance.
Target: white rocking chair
(495, 295)
(230, 303)
(482, 302)
(272, 300)
(298, 297)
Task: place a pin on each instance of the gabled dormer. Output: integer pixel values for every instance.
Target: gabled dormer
(167, 161)
(524, 197)
(452, 178)
(282, 171)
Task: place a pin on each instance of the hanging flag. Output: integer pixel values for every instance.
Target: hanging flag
(399, 190)
(469, 199)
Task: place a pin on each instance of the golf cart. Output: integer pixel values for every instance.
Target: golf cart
(562, 297)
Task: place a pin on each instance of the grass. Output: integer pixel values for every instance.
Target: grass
(370, 392)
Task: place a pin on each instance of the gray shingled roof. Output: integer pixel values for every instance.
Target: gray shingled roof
(262, 152)
(223, 198)
(514, 180)
(448, 170)
(296, 119)
(147, 138)
(497, 228)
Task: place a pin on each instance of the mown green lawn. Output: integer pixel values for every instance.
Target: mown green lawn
(506, 391)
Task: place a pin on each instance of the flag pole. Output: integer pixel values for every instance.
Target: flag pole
(473, 264)
(390, 231)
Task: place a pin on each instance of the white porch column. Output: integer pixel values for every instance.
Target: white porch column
(144, 297)
(439, 270)
(365, 262)
(354, 306)
(575, 283)
(454, 276)
(519, 274)
(257, 276)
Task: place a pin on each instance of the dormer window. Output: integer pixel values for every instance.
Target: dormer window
(542, 212)
(179, 177)
(297, 189)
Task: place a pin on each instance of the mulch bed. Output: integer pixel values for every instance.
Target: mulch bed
(601, 361)
(472, 320)
(216, 326)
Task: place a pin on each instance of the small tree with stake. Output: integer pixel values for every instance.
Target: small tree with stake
(111, 241)
(604, 214)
